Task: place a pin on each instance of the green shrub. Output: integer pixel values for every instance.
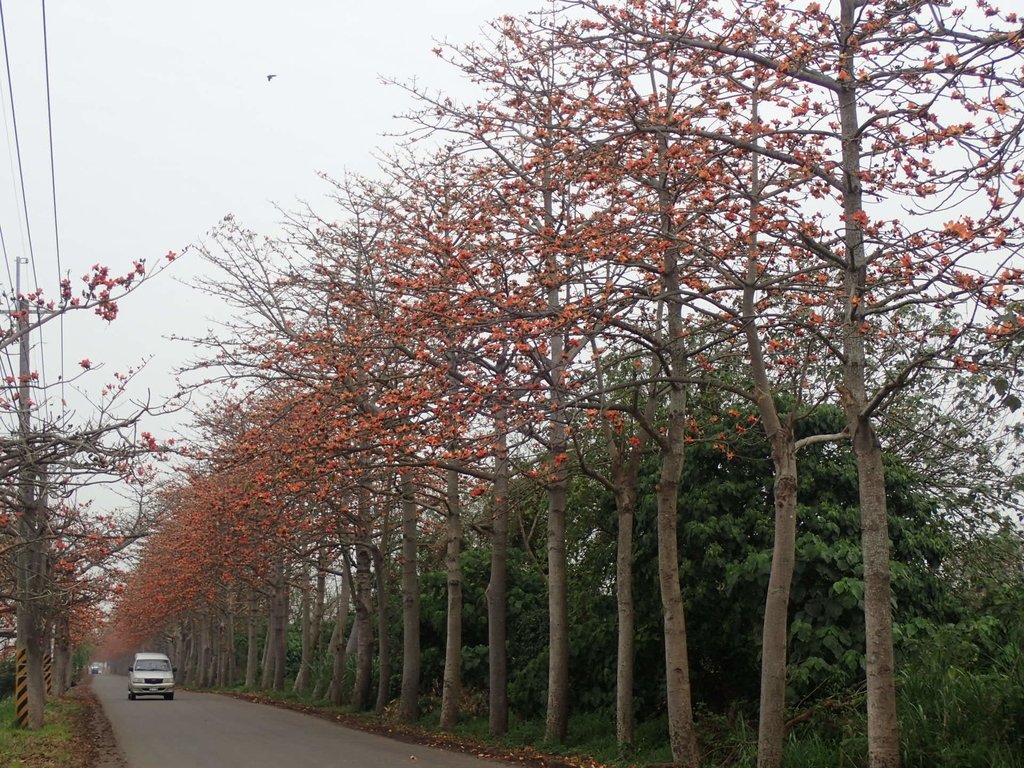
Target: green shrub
(961, 696)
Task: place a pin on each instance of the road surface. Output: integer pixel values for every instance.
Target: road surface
(203, 730)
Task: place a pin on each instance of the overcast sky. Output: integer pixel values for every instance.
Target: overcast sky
(164, 121)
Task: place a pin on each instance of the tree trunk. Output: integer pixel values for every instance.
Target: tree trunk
(281, 606)
(191, 643)
(336, 690)
(178, 647)
(319, 609)
(306, 661)
(218, 659)
(269, 652)
(36, 688)
(451, 687)
(775, 635)
(227, 671)
(364, 629)
(682, 735)
(383, 645)
(408, 708)
(281, 659)
(883, 728)
(252, 658)
(276, 647)
(497, 589)
(625, 504)
(625, 454)
(216, 633)
(203, 663)
(556, 726)
(775, 629)
(62, 663)
(557, 723)
(883, 732)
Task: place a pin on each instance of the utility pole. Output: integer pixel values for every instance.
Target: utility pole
(31, 558)
(24, 366)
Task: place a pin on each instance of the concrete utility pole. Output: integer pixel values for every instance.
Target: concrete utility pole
(31, 558)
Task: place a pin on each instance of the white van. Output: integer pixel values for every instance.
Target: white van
(151, 674)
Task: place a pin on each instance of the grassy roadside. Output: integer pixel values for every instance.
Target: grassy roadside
(62, 743)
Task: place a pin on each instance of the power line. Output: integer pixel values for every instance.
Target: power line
(14, 195)
(17, 143)
(15, 289)
(7, 261)
(49, 125)
(53, 189)
(21, 178)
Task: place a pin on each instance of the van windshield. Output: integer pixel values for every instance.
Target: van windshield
(152, 665)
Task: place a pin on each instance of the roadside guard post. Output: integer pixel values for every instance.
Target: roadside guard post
(21, 688)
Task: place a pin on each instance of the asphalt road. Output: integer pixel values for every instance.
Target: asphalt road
(197, 730)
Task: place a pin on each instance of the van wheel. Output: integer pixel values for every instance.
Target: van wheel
(131, 696)
(169, 696)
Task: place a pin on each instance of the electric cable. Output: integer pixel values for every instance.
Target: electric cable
(53, 189)
(7, 261)
(14, 194)
(17, 143)
(21, 180)
(7, 366)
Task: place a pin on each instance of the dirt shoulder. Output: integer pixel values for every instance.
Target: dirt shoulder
(95, 737)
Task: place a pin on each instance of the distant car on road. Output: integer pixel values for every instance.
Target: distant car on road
(151, 674)
(94, 669)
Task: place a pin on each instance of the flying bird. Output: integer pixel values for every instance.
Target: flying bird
(270, 77)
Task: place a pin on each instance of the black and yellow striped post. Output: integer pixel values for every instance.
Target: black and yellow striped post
(21, 688)
(48, 674)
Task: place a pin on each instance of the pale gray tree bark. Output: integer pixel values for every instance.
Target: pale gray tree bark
(781, 439)
(497, 587)
(302, 677)
(63, 667)
(364, 625)
(556, 726)
(278, 630)
(339, 643)
(883, 727)
(383, 619)
(252, 657)
(682, 734)
(408, 708)
(451, 685)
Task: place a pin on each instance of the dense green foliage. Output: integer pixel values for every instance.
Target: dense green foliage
(527, 616)
(958, 599)
(725, 538)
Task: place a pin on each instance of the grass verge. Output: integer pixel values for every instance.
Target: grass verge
(61, 743)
